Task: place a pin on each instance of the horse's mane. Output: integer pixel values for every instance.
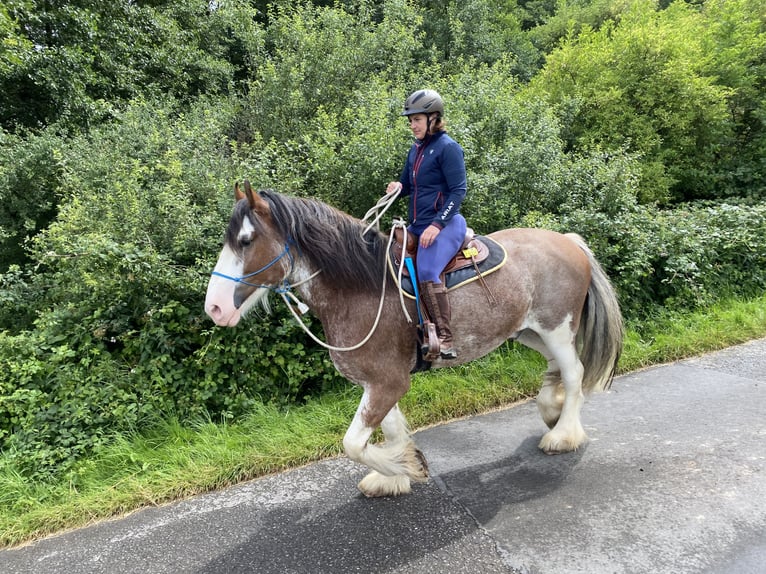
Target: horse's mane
(330, 239)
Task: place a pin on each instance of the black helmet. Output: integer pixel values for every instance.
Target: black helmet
(423, 102)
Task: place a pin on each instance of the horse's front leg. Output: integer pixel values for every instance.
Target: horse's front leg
(394, 463)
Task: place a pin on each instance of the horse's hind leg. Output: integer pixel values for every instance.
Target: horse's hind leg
(550, 398)
(560, 399)
(393, 464)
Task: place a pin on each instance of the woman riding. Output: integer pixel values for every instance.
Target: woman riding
(434, 178)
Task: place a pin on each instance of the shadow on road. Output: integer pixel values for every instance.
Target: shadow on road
(339, 539)
(526, 474)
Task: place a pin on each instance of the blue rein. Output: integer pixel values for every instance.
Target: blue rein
(283, 286)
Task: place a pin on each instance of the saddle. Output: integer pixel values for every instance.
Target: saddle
(472, 252)
(478, 257)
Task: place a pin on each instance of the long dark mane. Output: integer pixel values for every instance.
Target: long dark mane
(330, 239)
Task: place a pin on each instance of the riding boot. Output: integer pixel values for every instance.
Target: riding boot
(438, 307)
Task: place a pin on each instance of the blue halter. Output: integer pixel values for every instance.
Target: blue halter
(282, 287)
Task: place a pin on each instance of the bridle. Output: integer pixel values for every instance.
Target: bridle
(284, 287)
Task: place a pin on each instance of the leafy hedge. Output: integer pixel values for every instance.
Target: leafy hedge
(109, 231)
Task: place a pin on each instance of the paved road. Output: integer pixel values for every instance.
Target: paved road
(672, 481)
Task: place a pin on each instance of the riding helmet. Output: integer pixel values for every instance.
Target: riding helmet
(423, 102)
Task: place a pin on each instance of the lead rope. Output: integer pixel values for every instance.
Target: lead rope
(287, 295)
(385, 202)
(381, 207)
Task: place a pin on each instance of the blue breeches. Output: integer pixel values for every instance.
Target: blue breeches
(432, 260)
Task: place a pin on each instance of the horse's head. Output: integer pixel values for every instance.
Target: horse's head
(255, 258)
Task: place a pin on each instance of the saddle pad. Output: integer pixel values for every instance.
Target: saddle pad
(455, 279)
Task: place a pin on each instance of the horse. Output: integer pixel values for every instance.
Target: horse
(551, 295)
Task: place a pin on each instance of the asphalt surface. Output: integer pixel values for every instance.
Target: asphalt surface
(672, 481)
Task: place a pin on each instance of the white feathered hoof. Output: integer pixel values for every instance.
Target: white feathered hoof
(418, 466)
(375, 485)
(557, 443)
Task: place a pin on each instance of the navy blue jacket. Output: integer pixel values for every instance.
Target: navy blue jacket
(434, 179)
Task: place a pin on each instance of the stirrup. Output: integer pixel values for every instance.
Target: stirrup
(430, 348)
(450, 353)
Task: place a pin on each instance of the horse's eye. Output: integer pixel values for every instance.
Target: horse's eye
(245, 242)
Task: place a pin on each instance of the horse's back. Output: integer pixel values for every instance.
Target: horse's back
(532, 237)
(542, 252)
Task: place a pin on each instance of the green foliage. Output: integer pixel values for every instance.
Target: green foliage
(115, 181)
(14, 47)
(737, 47)
(120, 335)
(31, 170)
(678, 259)
(649, 76)
(351, 155)
(551, 21)
(91, 57)
(513, 149)
(483, 31)
(317, 58)
(56, 403)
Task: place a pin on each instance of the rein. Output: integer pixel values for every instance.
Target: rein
(284, 288)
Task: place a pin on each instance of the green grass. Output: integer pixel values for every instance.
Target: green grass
(172, 460)
(675, 336)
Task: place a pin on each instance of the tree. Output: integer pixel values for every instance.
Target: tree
(91, 56)
(737, 45)
(483, 31)
(643, 84)
(14, 47)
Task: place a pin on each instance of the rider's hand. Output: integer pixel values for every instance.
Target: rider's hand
(428, 236)
(393, 187)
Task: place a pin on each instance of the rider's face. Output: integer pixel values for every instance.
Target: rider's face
(418, 125)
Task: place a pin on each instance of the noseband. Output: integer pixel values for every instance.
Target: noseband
(282, 287)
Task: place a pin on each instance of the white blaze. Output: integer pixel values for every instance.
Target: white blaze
(219, 301)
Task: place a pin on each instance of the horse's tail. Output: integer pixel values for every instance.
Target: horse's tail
(601, 330)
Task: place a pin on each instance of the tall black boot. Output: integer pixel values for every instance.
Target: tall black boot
(437, 304)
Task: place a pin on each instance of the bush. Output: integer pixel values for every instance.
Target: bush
(678, 259)
(643, 83)
(101, 308)
(31, 170)
(59, 400)
(119, 333)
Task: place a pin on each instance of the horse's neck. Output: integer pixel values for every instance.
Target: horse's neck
(311, 288)
(318, 293)
(335, 307)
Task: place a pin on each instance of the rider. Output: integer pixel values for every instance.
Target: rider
(434, 179)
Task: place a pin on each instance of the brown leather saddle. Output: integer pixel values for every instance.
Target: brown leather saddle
(472, 252)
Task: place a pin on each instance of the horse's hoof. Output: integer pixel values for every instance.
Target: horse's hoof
(552, 444)
(423, 475)
(416, 466)
(375, 485)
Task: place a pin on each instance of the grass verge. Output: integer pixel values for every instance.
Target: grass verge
(172, 460)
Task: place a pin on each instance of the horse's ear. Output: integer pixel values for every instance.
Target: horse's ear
(257, 203)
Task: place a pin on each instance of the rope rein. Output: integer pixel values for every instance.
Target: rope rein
(292, 301)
